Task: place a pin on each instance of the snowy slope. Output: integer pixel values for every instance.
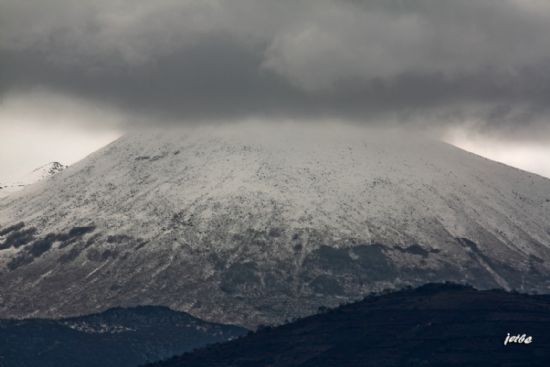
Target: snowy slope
(40, 173)
(248, 225)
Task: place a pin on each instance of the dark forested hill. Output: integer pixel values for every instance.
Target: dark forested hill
(435, 325)
(118, 337)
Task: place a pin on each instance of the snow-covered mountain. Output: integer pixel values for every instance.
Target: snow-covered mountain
(255, 224)
(41, 173)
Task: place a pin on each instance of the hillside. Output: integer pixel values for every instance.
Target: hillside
(118, 338)
(435, 325)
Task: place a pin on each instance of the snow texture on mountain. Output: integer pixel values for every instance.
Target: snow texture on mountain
(251, 224)
(41, 173)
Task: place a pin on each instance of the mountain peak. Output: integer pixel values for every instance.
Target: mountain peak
(38, 174)
(45, 171)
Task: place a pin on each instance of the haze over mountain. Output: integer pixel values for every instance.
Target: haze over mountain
(252, 224)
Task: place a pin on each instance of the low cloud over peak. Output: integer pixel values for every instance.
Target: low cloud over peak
(422, 63)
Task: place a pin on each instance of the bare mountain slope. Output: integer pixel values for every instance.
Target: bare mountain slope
(243, 224)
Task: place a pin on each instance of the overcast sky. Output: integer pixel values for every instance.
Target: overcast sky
(76, 74)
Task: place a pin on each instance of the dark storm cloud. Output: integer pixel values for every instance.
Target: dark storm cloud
(430, 61)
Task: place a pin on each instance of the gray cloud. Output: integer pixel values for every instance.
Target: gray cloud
(429, 63)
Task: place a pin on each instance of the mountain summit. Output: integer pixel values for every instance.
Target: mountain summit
(38, 174)
(257, 224)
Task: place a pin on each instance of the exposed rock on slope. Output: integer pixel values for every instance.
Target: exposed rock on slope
(243, 224)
